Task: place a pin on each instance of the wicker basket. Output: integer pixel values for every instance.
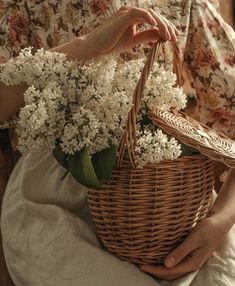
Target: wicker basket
(142, 214)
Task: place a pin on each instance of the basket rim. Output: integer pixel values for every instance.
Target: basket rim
(192, 133)
(197, 157)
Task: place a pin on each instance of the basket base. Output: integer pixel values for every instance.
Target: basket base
(142, 256)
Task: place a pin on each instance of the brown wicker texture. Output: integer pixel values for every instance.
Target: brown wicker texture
(128, 141)
(141, 214)
(192, 133)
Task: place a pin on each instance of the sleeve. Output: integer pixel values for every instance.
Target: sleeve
(209, 53)
(15, 31)
(14, 34)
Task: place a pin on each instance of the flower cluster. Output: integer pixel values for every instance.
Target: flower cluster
(154, 147)
(79, 106)
(161, 90)
(75, 105)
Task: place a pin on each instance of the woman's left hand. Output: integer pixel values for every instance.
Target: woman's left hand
(194, 251)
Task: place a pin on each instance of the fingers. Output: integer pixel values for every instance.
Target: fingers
(150, 35)
(185, 258)
(167, 29)
(118, 33)
(180, 252)
(177, 32)
(166, 273)
(125, 18)
(137, 15)
(173, 31)
(188, 265)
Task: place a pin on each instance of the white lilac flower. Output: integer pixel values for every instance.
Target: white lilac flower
(154, 147)
(87, 105)
(161, 91)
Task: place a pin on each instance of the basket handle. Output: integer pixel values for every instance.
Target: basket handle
(128, 140)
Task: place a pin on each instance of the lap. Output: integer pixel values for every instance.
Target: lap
(49, 237)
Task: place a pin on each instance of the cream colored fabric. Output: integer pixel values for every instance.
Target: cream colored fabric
(49, 237)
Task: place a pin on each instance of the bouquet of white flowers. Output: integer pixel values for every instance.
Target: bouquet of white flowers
(80, 111)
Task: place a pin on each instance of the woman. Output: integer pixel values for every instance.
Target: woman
(48, 233)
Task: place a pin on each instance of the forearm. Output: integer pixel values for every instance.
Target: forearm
(224, 206)
(77, 49)
(11, 100)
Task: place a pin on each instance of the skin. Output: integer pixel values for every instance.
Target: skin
(204, 239)
(118, 34)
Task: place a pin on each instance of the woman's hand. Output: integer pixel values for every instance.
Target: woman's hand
(120, 33)
(194, 251)
(204, 239)
(117, 34)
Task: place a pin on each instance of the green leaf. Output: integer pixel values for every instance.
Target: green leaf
(81, 169)
(103, 162)
(60, 156)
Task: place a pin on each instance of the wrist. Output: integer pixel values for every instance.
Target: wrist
(223, 207)
(83, 49)
(224, 216)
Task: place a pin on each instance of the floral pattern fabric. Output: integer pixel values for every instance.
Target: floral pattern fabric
(207, 42)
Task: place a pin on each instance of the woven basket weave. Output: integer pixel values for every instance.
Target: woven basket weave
(142, 214)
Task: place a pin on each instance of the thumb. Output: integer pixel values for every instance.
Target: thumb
(180, 252)
(150, 35)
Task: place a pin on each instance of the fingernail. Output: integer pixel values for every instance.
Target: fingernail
(170, 262)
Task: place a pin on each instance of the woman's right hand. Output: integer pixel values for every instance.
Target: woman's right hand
(119, 33)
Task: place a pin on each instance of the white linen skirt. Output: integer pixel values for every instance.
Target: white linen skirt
(49, 237)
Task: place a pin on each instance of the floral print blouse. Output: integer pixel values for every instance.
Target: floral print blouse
(207, 42)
